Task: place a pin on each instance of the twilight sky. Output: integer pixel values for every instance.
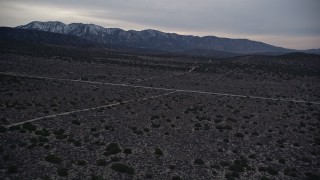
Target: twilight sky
(286, 23)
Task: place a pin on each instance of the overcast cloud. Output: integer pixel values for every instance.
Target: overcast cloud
(286, 23)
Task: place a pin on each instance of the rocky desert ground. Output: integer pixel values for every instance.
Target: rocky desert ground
(69, 113)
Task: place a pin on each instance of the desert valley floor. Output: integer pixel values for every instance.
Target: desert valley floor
(112, 115)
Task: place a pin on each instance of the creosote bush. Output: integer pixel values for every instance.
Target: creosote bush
(239, 135)
(101, 162)
(3, 129)
(158, 152)
(199, 161)
(29, 126)
(123, 168)
(127, 151)
(81, 163)
(111, 149)
(75, 122)
(62, 171)
(12, 169)
(42, 132)
(53, 159)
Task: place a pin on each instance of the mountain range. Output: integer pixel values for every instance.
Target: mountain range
(90, 34)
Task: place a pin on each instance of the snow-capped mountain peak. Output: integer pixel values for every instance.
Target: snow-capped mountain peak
(50, 26)
(150, 38)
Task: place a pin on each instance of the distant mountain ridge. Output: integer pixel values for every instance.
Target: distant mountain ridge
(153, 39)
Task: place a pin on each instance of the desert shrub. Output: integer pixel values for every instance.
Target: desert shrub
(123, 168)
(231, 175)
(231, 119)
(96, 135)
(206, 127)
(75, 122)
(224, 163)
(219, 116)
(111, 149)
(312, 176)
(245, 117)
(60, 134)
(255, 134)
(268, 159)
(32, 145)
(5, 157)
(71, 139)
(127, 151)
(272, 171)
(240, 164)
(99, 143)
(22, 144)
(107, 127)
(138, 132)
(3, 129)
(236, 111)
(77, 143)
(306, 159)
(282, 161)
(148, 176)
(296, 144)
(227, 127)
(29, 126)
(236, 168)
(290, 172)
(42, 132)
(154, 117)
(198, 161)
(197, 125)
(33, 140)
(53, 159)
(81, 163)
(302, 124)
(269, 170)
(176, 178)
(101, 162)
(216, 166)
(43, 139)
(155, 125)
(115, 159)
(97, 178)
(46, 146)
(158, 152)
(317, 141)
(12, 169)
(264, 178)
(239, 135)
(202, 118)
(14, 128)
(221, 128)
(4, 120)
(62, 171)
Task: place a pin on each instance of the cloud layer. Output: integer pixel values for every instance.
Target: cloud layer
(287, 23)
